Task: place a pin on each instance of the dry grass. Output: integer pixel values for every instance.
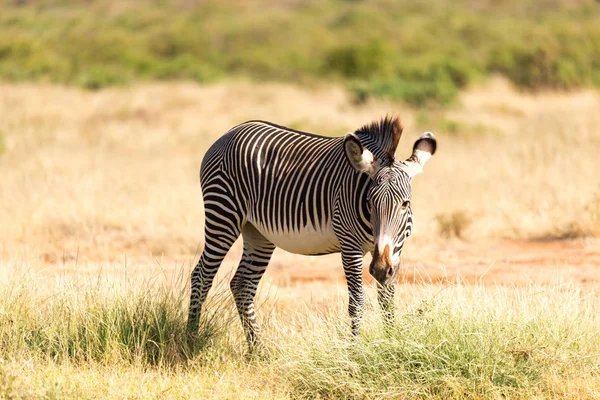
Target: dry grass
(99, 175)
(102, 173)
(99, 338)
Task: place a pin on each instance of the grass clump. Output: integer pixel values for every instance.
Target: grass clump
(145, 327)
(460, 343)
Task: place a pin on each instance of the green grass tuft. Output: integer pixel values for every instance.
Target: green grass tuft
(86, 325)
(461, 343)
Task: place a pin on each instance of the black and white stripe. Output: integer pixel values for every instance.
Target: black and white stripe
(307, 194)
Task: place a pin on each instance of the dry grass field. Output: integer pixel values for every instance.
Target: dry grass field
(101, 213)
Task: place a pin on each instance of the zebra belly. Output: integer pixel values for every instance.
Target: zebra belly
(307, 241)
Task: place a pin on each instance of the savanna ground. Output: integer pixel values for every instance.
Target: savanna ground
(101, 221)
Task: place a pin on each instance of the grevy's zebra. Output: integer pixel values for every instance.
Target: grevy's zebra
(306, 194)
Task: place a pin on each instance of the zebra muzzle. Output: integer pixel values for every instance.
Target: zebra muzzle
(382, 268)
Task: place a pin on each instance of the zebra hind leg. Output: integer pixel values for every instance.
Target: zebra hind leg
(219, 236)
(257, 253)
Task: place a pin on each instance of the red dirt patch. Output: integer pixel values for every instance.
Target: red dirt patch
(505, 262)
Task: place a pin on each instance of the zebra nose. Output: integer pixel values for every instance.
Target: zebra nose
(389, 272)
(381, 272)
(381, 267)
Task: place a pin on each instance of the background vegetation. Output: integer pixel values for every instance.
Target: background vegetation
(422, 52)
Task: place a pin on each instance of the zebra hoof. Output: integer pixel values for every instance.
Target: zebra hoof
(258, 352)
(192, 338)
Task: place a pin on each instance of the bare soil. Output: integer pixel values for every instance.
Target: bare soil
(500, 262)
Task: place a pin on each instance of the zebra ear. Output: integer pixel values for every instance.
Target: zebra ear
(423, 149)
(358, 156)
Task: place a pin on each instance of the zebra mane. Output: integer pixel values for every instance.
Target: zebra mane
(381, 138)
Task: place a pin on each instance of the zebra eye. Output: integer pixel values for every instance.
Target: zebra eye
(405, 205)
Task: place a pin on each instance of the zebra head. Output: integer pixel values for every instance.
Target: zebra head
(389, 196)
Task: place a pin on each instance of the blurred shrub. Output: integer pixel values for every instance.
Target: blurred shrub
(453, 224)
(359, 61)
(415, 92)
(562, 55)
(98, 76)
(539, 66)
(585, 223)
(422, 53)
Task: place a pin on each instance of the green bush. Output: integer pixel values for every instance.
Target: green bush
(415, 92)
(97, 77)
(420, 53)
(359, 61)
(539, 66)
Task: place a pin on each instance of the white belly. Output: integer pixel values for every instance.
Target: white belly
(309, 241)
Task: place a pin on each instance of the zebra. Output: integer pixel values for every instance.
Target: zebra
(307, 194)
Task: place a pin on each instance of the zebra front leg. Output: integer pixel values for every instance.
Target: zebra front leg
(254, 262)
(385, 297)
(352, 260)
